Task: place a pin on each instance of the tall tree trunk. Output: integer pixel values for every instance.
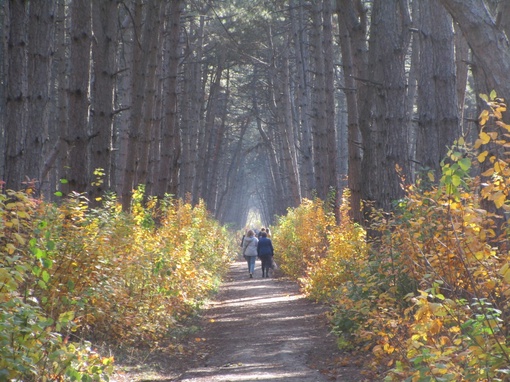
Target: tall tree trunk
(270, 150)
(412, 90)
(151, 36)
(319, 119)
(489, 44)
(4, 26)
(352, 23)
(56, 161)
(128, 38)
(217, 143)
(192, 113)
(40, 57)
(231, 188)
(462, 54)
(170, 146)
(284, 123)
(139, 68)
(186, 171)
(385, 136)
(16, 94)
(78, 112)
(211, 131)
(303, 96)
(438, 124)
(329, 98)
(104, 14)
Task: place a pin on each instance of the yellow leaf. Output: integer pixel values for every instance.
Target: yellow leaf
(499, 199)
(20, 238)
(436, 326)
(505, 272)
(503, 125)
(481, 157)
(499, 166)
(484, 117)
(10, 248)
(388, 348)
(485, 137)
(491, 284)
(377, 349)
(489, 172)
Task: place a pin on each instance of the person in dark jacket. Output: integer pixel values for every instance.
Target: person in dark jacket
(265, 253)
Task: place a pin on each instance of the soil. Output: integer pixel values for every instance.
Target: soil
(259, 329)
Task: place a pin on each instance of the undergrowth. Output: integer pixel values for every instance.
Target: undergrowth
(71, 275)
(428, 293)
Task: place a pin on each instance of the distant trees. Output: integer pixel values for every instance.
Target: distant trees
(241, 104)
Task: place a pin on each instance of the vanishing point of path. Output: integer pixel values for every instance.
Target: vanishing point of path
(263, 329)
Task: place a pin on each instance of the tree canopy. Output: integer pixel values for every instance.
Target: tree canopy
(247, 105)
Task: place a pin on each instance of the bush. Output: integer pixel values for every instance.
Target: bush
(71, 273)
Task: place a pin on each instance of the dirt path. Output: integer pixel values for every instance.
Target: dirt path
(262, 329)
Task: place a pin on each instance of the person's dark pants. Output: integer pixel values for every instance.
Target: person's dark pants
(266, 264)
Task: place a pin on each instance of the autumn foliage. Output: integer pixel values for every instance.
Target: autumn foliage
(70, 273)
(429, 295)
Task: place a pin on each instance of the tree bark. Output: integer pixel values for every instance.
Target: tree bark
(319, 121)
(151, 37)
(329, 98)
(352, 24)
(16, 95)
(303, 96)
(170, 146)
(385, 135)
(488, 43)
(104, 14)
(78, 111)
(40, 57)
(137, 86)
(438, 124)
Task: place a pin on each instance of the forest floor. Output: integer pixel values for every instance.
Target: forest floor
(259, 329)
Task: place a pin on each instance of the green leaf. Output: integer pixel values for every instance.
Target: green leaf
(48, 263)
(66, 316)
(45, 276)
(465, 164)
(50, 245)
(456, 180)
(484, 97)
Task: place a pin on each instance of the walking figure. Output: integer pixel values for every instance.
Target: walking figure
(250, 250)
(265, 252)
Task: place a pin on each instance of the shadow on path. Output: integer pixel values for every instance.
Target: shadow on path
(263, 329)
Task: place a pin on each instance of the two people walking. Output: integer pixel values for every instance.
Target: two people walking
(253, 248)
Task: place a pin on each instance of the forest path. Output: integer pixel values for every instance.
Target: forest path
(262, 329)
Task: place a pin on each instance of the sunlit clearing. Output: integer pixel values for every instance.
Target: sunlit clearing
(253, 220)
(249, 372)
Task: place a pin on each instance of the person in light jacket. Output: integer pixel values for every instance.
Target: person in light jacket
(250, 250)
(265, 252)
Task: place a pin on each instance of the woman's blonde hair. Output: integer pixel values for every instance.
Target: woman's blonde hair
(250, 233)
